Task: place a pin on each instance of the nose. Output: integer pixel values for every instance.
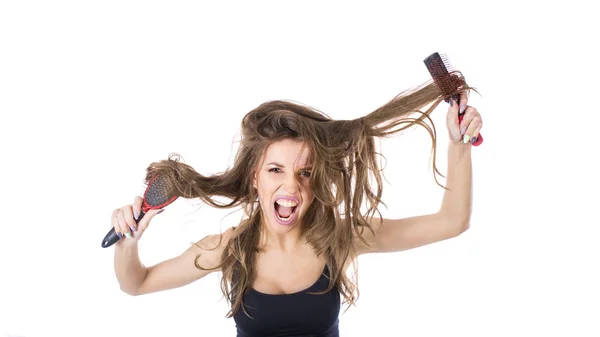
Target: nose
(290, 183)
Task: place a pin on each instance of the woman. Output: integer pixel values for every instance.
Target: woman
(310, 187)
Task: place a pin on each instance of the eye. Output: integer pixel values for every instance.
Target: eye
(275, 169)
(305, 174)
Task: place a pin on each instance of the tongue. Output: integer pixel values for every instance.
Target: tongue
(283, 211)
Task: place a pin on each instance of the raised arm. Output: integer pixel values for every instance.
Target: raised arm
(454, 215)
(451, 220)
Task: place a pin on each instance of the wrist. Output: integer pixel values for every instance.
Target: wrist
(459, 148)
(127, 244)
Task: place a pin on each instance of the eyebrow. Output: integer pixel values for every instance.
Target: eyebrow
(300, 168)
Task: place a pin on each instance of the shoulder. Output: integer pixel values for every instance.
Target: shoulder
(209, 250)
(363, 235)
(216, 241)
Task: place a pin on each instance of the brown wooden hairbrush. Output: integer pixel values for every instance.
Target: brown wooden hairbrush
(448, 81)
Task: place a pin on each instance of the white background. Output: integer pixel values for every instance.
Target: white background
(92, 92)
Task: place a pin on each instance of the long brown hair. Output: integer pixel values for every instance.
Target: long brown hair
(345, 177)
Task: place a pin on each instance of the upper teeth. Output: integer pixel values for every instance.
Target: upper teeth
(286, 203)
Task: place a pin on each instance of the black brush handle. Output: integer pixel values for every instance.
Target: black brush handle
(111, 237)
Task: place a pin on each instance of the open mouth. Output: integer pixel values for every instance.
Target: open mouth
(285, 211)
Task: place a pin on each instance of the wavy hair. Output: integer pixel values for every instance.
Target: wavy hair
(345, 178)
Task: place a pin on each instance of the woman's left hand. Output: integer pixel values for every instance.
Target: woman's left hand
(468, 129)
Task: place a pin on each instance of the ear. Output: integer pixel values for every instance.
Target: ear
(254, 180)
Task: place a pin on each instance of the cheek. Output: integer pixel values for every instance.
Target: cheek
(307, 197)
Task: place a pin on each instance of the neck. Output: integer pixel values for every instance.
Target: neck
(285, 242)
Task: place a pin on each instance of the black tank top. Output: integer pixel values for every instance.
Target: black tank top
(297, 314)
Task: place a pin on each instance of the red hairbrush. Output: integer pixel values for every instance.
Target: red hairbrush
(156, 196)
(447, 81)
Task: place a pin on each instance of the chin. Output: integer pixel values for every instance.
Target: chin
(282, 225)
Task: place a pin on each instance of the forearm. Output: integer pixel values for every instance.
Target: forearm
(128, 268)
(456, 204)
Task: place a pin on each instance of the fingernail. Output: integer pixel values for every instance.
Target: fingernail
(451, 102)
(160, 211)
(133, 228)
(128, 235)
(463, 130)
(466, 139)
(135, 215)
(120, 235)
(462, 108)
(473, 140)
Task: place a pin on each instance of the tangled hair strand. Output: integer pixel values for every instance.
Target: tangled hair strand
(345, 177)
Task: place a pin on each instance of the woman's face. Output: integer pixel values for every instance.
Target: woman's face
(283, 183)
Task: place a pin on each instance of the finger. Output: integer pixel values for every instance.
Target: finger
(115, 222)
(145, 221)
(475, 134)
(452, 121)
(470, 112)
(128, 216)
(113, 217)
(137, 207)
(474, 125)
(123, 224)
(464, 102)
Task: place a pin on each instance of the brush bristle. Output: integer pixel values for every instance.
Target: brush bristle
(440, 69)
(447, 63)
(157, 192)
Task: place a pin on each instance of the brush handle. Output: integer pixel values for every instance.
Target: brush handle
(112, 237)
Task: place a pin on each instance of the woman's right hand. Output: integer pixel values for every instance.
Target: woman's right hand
(124, 223)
